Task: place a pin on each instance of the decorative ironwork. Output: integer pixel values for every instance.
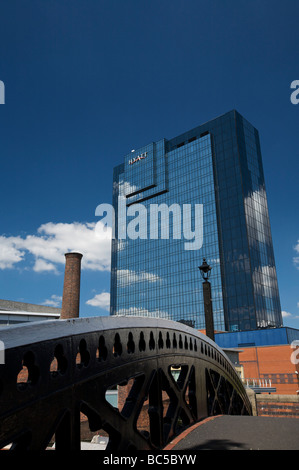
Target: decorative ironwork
(168, 376)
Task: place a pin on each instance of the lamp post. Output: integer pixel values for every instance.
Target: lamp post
(205, 271)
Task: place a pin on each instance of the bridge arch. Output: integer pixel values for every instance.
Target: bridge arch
(173, 376)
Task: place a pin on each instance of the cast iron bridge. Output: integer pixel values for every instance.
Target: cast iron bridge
(169, 377)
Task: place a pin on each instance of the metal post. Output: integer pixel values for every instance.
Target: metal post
(205, 270)
(206, 286)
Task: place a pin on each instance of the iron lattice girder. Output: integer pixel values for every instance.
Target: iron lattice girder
(71, 364)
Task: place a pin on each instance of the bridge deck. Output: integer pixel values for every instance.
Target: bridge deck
(239, 433)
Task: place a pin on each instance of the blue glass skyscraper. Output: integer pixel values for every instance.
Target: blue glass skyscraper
(199, 195)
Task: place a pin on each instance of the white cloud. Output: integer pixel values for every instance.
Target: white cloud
(288, 314)
(51, 243)
(9, 253)
(100, 300)
(54, 301)
(42, 265)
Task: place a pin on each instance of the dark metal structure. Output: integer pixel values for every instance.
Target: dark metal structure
(205, 271)
(57, 371)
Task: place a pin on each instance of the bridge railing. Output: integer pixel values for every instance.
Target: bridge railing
(259, 385)
(57, 371)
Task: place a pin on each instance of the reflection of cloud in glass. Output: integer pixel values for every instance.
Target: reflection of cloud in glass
(257, 212)
(126, 277)
(264, 274)
(296, 258)
(121, 244)
(125, 188)
(142, 312)
(263, 277)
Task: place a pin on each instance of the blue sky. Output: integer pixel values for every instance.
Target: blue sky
(87, 81)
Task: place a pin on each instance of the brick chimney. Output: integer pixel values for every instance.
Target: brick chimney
(71, 286)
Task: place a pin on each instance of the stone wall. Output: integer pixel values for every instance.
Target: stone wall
(284, 406)
(278, 405)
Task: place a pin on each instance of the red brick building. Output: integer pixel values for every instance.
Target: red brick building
(270, 354)
(273, 364)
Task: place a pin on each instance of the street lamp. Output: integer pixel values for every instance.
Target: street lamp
(205, 271)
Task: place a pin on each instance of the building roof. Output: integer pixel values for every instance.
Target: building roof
(11, 305)
(32, 314)
(261, 337)
(12, 312)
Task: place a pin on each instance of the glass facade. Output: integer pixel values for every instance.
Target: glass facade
(199, 195)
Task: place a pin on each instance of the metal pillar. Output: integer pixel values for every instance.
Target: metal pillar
(205, 271)
(207, 298)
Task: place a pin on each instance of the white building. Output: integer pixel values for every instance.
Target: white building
(12, 312)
